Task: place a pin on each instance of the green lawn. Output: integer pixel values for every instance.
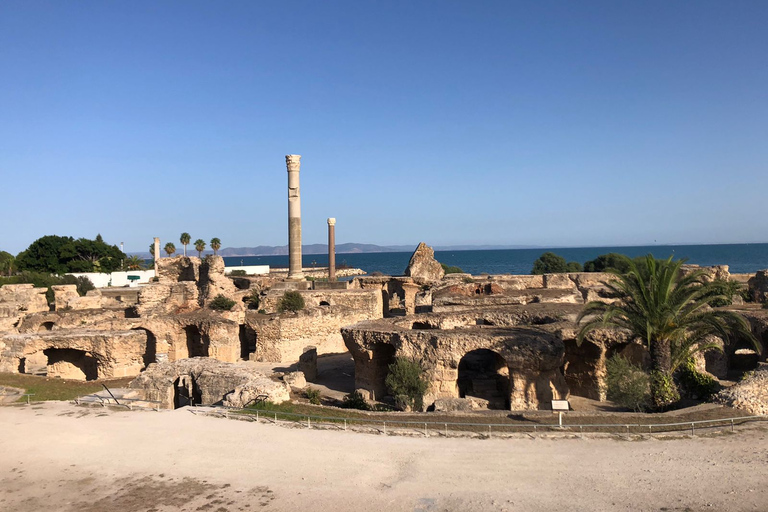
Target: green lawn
(45, 388)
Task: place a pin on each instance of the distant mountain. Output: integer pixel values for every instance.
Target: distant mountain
(349, 248)
(282, 250)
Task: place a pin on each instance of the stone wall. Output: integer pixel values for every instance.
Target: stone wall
(530, 357)
(282, 337)
(75, 353)
(19, 300)
(207, 382)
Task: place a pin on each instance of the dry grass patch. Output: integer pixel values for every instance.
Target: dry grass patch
(48, 388)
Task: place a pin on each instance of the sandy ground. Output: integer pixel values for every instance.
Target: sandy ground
(56, 456)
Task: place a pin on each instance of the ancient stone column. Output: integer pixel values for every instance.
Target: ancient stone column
(157, 253)
(331, 249)
(293, 162)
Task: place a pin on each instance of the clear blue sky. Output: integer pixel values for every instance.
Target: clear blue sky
(539, 123)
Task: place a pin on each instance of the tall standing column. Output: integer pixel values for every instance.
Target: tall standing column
(293, 163)
(331, 249)
(157, 253)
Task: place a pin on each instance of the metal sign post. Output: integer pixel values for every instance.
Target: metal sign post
(560, 406)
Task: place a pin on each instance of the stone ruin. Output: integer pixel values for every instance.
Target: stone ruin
(500, 341)
(123, 332)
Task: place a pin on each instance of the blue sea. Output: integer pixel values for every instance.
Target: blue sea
(742, 258)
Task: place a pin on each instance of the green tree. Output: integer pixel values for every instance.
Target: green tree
(199, 247)
(61, 254)
(7, 263)
(185, 239)
(152, 250)
(551, 263)
(406, 382)
(669, 312)
(215, 245)
(604, 262)
(170, 248)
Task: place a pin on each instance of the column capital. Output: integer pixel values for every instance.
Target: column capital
(293, 162)
(331, 221)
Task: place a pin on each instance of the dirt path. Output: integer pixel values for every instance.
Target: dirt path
(56, 456)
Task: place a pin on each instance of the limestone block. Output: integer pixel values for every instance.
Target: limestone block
(308, 363)
(295, 380)
(423, 266)
(758, 286)
(558, 281)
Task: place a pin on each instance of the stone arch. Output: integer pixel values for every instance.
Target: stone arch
(46, 326)
(374, 374)
(248, 339)
(197, 342)
(325, 303)
(150, 352)
(742, 356)
(70, 363)
(186, 392)
(484, 374)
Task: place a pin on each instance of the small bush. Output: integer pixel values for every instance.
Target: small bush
(221, 303)
(451, 270)
(551, 263)
(665, 389)
(696, 384)
(313, 395)
(725, 290)
(355, 400)
(238, 273)
(262, 311)
(609, 261)
(628, 385)
(290, 301)
(406, 383)
(254, 300)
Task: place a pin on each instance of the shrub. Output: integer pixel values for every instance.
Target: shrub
(727, 289)
(551, 263)
(406, 382)
(290, 301)
(239, 273)
(254, 300)
(451, 270)
(221, 303)
(696, 384)
(608, 261)
(355, 400)
(313, 395)
(628, 385)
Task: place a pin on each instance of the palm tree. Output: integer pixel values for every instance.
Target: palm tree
(152, 250)
(134, 263)
(671, 314)
(184, 239)
(199, 247)
(170, 248)
(215, 245)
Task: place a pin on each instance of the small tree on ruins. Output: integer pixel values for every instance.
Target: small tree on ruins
(407, 383)
(290, 301)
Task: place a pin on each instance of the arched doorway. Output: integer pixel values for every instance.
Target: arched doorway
(46, 326)
(186, 392)
(197, 343)
(484, 374)
(150, 351)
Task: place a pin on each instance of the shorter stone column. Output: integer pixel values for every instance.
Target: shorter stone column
(157, 253)
(331, 249)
